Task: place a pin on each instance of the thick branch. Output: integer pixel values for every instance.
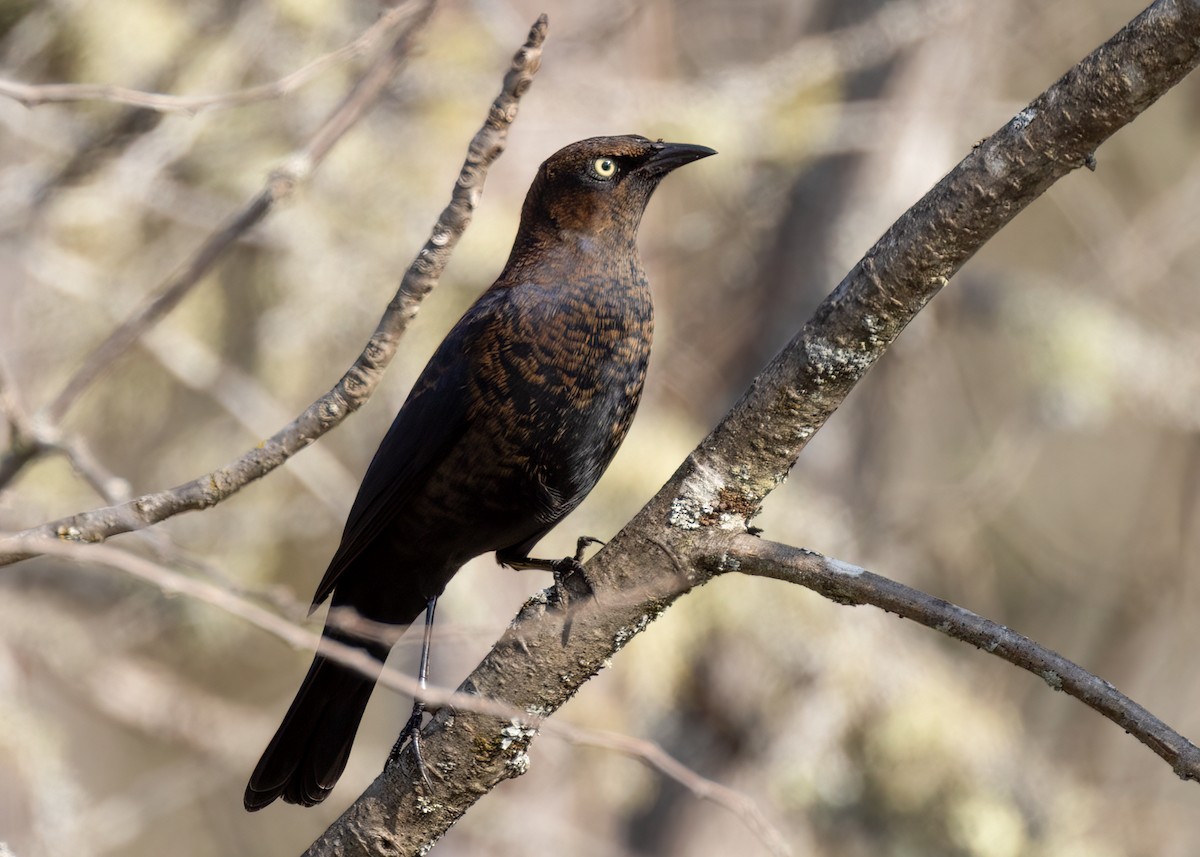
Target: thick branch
(722, 483)
(359, 381)
(1058, 132)
(849, 584)
(222, 597)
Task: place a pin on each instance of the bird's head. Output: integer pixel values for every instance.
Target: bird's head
(599, 187)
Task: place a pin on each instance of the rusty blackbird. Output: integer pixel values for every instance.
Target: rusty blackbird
(507, 429)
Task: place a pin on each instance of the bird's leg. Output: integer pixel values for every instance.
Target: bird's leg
(412, 729)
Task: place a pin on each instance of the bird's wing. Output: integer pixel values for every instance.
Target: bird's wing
(432, 419)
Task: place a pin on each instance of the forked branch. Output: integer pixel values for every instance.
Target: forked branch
(723, 482)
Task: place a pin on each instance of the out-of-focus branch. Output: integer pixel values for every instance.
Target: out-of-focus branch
(359, 381)
(158, 717)
(849, 584)
(23, 442)
(200, 368)
(33, 95)
(660, 760)
(31, 436)
(280, 185)
(724, 480)
(890, 29)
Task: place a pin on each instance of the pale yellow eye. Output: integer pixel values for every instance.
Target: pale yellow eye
(605, 168)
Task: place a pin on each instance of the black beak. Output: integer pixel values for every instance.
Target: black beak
(669, 156)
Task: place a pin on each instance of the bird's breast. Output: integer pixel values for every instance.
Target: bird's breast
(559, 382)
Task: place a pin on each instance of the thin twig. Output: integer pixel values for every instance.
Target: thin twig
(359, 381)
(30, 436)
(23, 442)
(111, 487)
(33, 95)
(849, 584)
(200, 368)
(660, 760)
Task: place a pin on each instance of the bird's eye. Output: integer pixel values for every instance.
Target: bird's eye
(604, 168)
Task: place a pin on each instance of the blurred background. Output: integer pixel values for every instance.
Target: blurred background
(1029, 448)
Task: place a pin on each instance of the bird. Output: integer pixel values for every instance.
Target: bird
(519, 411)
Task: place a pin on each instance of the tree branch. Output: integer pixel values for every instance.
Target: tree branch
(359, 381)
(692, 527)
(723, 481)
(171, 582)
(849, 584)
(657, 758)
(34, 95)
(279, 186)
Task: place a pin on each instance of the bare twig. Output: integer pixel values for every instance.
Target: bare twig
(849, 584)
(29, 435)
(111, 487)
(197, 366)
(168, 297)
(660, 760)
(22, 437)
(33, 95)
(360, 380)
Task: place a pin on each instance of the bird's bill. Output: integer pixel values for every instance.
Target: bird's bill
(670, 156)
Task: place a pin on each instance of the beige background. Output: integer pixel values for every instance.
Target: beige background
(1028, 449)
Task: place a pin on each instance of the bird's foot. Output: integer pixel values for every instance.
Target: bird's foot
(411, 734)
(569, 572)
(570, 577)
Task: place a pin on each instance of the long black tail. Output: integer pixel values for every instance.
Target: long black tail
(309, 751)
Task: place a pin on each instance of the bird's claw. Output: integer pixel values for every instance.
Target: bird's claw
(581, 546)
(411, 734)
(421, 768)
(566, 571)
(571, 581)
(570, 568)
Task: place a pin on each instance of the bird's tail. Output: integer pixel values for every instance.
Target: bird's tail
(309, 751)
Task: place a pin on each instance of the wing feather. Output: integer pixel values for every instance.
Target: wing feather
(432, 419)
